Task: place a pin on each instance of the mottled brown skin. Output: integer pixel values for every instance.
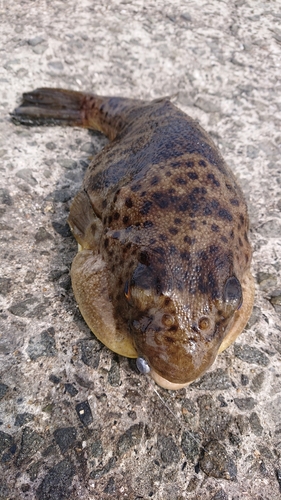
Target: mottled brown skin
(163, 270)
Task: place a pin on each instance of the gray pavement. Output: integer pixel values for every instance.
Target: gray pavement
(76, 420)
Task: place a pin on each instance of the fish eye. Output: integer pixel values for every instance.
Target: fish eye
(233, 292)
(142, 366)
(204, 323)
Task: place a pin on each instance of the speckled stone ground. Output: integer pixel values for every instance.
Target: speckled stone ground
(77, 421)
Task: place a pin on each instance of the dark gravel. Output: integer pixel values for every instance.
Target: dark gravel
(217, 463)
(84, 413)
(56, 484)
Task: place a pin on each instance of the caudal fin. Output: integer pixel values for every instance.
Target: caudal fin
(51, 107)
(68, 107)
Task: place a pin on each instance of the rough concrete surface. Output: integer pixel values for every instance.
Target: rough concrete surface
(78, 421)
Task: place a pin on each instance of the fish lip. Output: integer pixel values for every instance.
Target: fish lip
(166, 384)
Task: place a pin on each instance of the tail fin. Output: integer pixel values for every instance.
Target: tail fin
(68, 107)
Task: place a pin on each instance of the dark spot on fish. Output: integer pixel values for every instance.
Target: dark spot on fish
(207, 211)
(109, 219)
(185, 255)
(168, 173)
(202, 284)
(173, 230)
(224, 239)
(222, 261)
(104, 203)
(180, 181)
(213, 249)
(234, 201)
(135, 187)
(172, 249)
(240, 242)
(162, 200)
(213, 179)
(192, 175)
(125, 219)
(224, 214)
(242, 218)
(202, 163)
(183, 207)
(143, 193)
(116, 215)
(190, 164)
(175, 164)
(188, 240)
(177, 220)
(213, 285)
(246, 237)
(231, 234)
(215, 228)
(106, 242)
(128, 203)
(159, 250)
(148, 223)
(203, 255)
(146, 207)
(198, 268)
(214, 204)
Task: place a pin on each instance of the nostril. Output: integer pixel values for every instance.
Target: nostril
(167, 320)
(204, 323)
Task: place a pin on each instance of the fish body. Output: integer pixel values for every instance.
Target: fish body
(163, 267)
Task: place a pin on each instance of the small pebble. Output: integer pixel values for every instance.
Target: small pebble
(130, 438)
(84, 413)
(245, 404)
(35, 41)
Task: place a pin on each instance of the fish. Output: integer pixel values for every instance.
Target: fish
(162, 273)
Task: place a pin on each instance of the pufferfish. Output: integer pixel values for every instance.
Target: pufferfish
(163, 268)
